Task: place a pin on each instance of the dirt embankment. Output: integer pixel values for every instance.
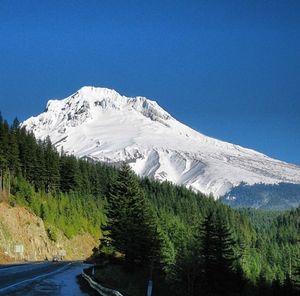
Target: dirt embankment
(18, 226)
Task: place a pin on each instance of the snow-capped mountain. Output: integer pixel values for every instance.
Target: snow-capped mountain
(102, 125)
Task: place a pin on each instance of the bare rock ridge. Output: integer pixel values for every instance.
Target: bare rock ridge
(102, 125)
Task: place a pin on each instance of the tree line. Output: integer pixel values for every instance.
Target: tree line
(194, 242)
(200, 247)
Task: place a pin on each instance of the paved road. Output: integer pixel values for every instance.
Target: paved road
(50, 278)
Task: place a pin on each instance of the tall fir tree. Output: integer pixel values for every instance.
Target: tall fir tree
(52, 173)
(131, 225)
(69, 174)
(217, 260)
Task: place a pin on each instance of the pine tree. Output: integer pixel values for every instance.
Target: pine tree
(131, 223)
(28, 155)
(13, 155)
(69, 173)
(217, 270)
(52, 173)
(4, 143)
(16, 124)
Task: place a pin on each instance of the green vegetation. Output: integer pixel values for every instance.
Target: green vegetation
(188, 242)
(131, 227)
(66, 193)
(70, 212)
(207, 247)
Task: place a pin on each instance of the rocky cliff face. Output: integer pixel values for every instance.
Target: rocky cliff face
(18, 226)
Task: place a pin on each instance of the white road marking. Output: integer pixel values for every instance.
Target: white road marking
(33, 279)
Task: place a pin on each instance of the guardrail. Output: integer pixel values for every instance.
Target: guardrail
(100, 289)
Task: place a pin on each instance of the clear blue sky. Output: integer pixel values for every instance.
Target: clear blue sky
(230, 69)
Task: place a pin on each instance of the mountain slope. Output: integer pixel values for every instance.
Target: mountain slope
(101, 125)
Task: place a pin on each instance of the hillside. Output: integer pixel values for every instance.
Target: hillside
(19, 226)
(51, 206)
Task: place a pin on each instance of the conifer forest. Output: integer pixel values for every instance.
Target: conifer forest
(190, 243)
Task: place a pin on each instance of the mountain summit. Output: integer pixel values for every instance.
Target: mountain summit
(102, 125)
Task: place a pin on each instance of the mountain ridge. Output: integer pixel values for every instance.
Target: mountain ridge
(102, 125)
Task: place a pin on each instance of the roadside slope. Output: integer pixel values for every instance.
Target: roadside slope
(19, 226)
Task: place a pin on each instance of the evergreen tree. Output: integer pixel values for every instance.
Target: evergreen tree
(4, 143)
(13, 153)
(131, 223)
(69, 173)
(16, 124)
(52, 173)
(217, 270)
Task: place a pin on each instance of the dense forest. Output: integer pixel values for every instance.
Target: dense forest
(196, 245)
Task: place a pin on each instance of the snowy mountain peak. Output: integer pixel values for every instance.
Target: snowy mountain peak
(81, 105)
(102, 125)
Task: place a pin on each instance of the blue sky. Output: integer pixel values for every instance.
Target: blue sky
(230, 69)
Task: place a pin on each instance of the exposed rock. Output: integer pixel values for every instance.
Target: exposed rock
(18, 226)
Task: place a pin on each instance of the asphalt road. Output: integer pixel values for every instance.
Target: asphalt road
(44, 278)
